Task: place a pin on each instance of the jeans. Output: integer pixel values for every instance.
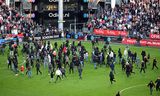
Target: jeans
(95, 65)
(2, 50)
(29, 74)
(151, 91)
(45, 64)
(86, 58)
(82, 63)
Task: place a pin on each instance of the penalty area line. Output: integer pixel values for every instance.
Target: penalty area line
(132, 87)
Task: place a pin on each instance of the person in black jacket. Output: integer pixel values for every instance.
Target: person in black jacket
(77, 61)
(158, 84)
(123, 63)
(151, 86)
(128, 69)
(9, 61)
(118, 94)
(71, 66)
(55, 45)
(15, 63)
(58, 62)
(111, 76)
(145, 61)
(120, 55)
(38, 67)
(142, 67)
(154, 63)
(143, 53)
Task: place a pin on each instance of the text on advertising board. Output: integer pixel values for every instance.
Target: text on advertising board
(56, 15)
(57, 0)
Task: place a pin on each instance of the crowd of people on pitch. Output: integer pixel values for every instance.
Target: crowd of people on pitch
(127, 59)
(69, 55)
(55, 59)
(134, 16)
(138, 17)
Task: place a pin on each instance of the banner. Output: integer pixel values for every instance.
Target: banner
(106, 32)
(154, 36)
(54, 14)
(129, 41)
(20, 35)
(48, 37)
(153, 43)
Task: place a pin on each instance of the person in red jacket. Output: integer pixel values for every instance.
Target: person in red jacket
(22, 69)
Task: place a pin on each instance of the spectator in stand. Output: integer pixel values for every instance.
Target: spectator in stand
(139, 17)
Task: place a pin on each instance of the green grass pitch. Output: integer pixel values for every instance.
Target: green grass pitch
(93, 83)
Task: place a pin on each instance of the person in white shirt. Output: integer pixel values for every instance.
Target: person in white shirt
(86, 56)
(111, 54)
(67, 61)
(126, 54)
(58, 74)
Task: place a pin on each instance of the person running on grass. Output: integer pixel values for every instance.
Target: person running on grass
(52, 77)
(128, 69)
(158, 84)
(142, 67)
(151, 87)
(154, 63)
(111, 76)
(112, 67)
